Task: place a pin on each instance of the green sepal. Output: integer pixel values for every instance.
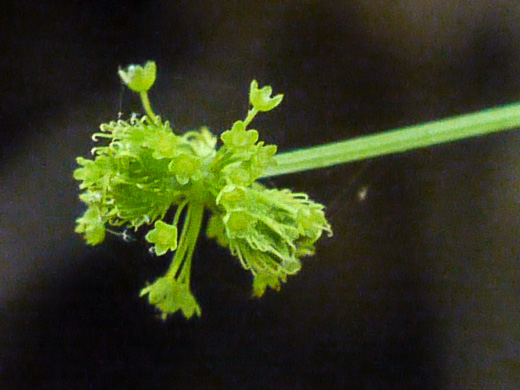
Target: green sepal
(163, 144)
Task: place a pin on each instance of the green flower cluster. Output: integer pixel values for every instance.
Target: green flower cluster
(143, 169)
(269, 230)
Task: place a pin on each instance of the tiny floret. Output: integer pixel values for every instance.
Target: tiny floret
(139, 78)
(261, 98)
(239, 137)
(92, 226)
(164, 236)
(170, 296)
(186, 167)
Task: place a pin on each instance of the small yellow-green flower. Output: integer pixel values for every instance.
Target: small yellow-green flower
(264, 280)
(239, 223)
(186, 167)
(164, 236)
(170, 296)
(163, 144)
(239, 137)
(92, 226)
(139, 78)
(261, 98)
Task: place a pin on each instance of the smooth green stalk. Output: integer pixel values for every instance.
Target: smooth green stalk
(250, 116)
(400, 140)
(140, 79)
(147, 106)
(196, 213)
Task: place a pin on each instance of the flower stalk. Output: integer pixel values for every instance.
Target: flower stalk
(400, 140)
(147, 106)
(189, 236)
(140, 79)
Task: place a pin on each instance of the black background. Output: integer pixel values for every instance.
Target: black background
(418, 288)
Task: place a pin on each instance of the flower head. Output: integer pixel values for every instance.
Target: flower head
(164, 236)
(268, 230)
(170, 296)
(141, 169)
(261, 98)
(139, 78)
(186, 167)
(239, 137)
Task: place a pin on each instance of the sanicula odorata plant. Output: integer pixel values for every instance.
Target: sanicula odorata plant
(142, 168)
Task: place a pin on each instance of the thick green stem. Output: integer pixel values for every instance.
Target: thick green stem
(147, 106)
(400, 140)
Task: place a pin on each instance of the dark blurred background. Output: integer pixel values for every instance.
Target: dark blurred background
(418, 288)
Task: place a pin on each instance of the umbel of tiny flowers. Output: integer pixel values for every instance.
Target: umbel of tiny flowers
(143, 169)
